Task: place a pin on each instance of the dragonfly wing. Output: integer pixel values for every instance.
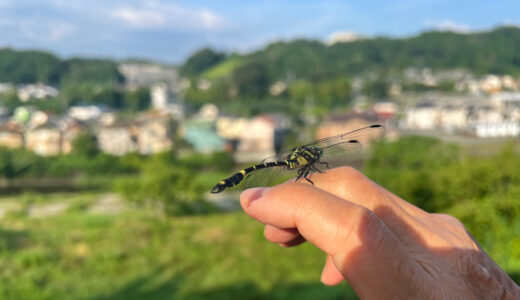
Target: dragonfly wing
(267, 177)
(363, 135)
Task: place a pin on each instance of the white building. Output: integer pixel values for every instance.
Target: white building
(164, 99)
(497, 129)
(452, 117)
(37, 91)
(423, 117)
(147, 74)
(85, 113)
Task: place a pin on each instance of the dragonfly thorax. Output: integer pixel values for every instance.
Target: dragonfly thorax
(302, 156)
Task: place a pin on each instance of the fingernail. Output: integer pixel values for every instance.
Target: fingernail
(253, 194)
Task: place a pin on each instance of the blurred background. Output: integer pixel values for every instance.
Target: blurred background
(118, 117)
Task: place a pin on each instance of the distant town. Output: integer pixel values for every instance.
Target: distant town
(484, 107)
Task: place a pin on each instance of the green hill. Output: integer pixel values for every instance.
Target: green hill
(495, 51)
(32, 66)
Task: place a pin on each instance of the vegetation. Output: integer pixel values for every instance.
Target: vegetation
(84, 94)
(483, 192)
(313, 70)
(201, 60)
(39, 66)
(138, 255)
(175, 184)
(81, 255)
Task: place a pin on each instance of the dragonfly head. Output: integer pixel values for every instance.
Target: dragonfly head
(320, 151)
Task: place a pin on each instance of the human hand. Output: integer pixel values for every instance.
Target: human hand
(383, 246)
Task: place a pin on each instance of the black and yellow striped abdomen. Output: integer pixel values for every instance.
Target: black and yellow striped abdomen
(240, 175)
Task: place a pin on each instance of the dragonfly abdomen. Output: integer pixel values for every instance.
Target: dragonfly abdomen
(240, 175)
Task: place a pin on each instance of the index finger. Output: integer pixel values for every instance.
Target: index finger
(350, 184)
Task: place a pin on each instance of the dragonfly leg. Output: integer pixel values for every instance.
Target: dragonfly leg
(300, 174)
(316, 169)
(305, 173)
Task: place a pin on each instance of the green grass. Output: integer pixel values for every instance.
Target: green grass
(139, 255)
(222, 69)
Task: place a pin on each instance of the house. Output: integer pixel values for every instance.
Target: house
(424, 116)
(153, 134)
(335, 124)
(202, 135)
(491, 84)
(11, 136)
(147, 74)
(86, 112)
(117, 139)
(231, 129)
(262, 136)
(44, 139)
(164, 98)
(496, 129)
(38, 91)
(485, 114)
(385, 110)
(453, 117)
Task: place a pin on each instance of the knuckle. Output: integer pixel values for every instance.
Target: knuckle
(450, 219)
(349, 173)
(367, 228)
(369, 224)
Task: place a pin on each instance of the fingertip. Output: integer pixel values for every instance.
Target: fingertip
(250, 195)
(330, 275)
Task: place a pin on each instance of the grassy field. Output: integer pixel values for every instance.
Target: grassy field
(77, 253)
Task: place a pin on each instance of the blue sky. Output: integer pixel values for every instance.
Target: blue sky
(170, 31)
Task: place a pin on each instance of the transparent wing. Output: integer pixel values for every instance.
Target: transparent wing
(363, 135)
(347, 148)
(340, 154)
(267, 177)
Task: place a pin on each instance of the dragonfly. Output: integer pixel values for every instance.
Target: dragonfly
(307, 158)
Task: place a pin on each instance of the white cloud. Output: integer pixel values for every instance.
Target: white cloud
(157, 15)
(49, 31)
(140, 19)
(448, 25)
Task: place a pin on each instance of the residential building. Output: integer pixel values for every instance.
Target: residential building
(154, 134)
(44, 139)
(147, 74)
(202, 135)
(335, 124)
(117, 139)
(38, 91)
(496, 129)
(86, 112)
(262, 136)
(424, 116)
(11, 136)
(164, 99)
(453, 117)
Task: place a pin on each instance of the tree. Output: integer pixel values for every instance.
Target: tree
(201, 61)
(251, 80)
(137, 100)
(85, 144)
